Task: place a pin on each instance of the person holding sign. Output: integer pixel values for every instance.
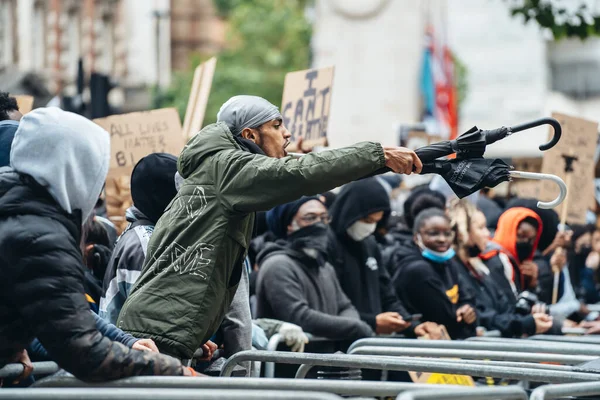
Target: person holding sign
(232, 169)
(58, 165)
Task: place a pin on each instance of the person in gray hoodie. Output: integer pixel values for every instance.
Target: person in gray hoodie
(152, 189)
(58, 165)
(295, 283)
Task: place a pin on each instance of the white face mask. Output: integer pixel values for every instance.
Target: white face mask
(359, 230)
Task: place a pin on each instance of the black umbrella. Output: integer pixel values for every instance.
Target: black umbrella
(467, 176)
(472, 143)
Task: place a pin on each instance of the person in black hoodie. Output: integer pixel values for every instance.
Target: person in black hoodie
(296, 284)
(428, 282)
(58, 165)
(355, 255)
(495, 311)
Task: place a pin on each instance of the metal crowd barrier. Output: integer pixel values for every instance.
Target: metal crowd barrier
(568, 339)
(39, 368)
(486, 344)
(473, 354)
(344, 388)
(548, 392)
(488, 369)
(158, 394)
(497, 393)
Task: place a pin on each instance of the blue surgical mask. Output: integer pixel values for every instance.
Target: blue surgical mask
(435, 256)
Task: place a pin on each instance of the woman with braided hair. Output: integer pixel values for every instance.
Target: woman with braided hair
(494, 309)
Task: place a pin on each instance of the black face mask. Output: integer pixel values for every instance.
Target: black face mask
(524, 250)
(312, 241)
(473, 251)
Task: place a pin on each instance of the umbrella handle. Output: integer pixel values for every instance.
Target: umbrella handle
(538, 122)
(544, 177)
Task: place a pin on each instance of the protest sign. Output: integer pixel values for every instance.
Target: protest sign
(132, 137)
(135, 135)
(579, 137)
(24, 102)
(306, 104)
(196, 107)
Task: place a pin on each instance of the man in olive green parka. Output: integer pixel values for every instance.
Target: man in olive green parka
(232, 169)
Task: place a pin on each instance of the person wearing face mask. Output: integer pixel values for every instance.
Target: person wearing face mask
(583, 262)
(428, 282)
(355, 255)
(494, 310)
(509, 259)
(295, 283)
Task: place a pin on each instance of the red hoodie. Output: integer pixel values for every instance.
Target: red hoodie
(506, 235)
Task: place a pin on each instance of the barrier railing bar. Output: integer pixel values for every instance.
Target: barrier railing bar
(488, 345)
(548, 392)
(304, 369)
(407, 364)
(39, 368)
(272, 346)
(473, 354)
(346, 388)
(504, 393)
(568, 339)
(157, 394)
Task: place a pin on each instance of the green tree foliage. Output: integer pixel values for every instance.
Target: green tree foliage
(564, 18)
(266, 39)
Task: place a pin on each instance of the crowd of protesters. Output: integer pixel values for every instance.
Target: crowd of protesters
(234, 241)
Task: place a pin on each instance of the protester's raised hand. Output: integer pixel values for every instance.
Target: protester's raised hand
(145, 345)
(543, 323)
(467, 314)
(390, 322)
(402, 160)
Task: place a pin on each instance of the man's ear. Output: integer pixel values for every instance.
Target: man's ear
(250, 134)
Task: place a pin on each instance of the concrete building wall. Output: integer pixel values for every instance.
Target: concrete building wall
(376, 47)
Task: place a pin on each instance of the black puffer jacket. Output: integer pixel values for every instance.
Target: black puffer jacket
(41, 291)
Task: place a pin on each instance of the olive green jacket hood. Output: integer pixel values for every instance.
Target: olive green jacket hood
(195, 256)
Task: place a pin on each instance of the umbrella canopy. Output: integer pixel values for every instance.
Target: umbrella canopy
(467, 176)
(470, 144)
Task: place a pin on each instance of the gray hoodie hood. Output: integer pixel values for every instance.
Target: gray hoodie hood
(65, 153)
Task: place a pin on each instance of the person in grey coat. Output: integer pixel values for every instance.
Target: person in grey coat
(295, 283)
(152, 189)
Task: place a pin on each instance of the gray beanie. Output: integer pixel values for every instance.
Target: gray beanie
(241, 112)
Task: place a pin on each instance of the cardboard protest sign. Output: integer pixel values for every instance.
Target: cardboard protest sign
(25, 102)
(196, 107)
(135, 135)
(306, 104)
(441, 379)
(579, 137)
(132, 137)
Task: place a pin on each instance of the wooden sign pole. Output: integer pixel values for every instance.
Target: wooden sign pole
(569, 159)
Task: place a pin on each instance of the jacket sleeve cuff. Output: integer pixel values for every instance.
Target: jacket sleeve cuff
(370, 319)
(129, 340)
(529, 325)
(380, 154)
